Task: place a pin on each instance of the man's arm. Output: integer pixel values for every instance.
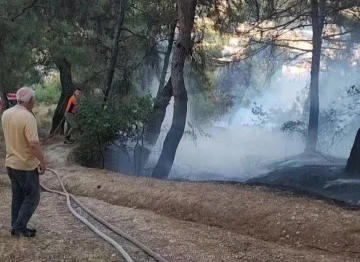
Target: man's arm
(36, 151)
(33, 139)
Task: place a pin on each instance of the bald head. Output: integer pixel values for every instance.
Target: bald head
(26, 97)
(25, 94)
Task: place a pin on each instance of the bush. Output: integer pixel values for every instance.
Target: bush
(294, 127)
(119, 122)
(48, 92)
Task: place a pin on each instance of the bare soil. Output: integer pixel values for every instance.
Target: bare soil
(182, 221)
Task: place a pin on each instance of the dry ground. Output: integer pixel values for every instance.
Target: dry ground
(181, 221)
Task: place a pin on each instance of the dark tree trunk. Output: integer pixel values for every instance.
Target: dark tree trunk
(318, 11)
(159, 111)
(67, 89)
(4, 102)
(115, 49)
(186, 12)
(167, 57)
(353, 163)
(163, 96)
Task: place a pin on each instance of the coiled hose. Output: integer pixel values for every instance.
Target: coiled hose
(102, 221)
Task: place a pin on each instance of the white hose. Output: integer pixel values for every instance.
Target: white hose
(92, 227)
(102, 221)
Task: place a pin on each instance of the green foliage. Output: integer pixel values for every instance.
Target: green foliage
(48, 92)
(16, 65)
(19, 30)
(119, 122)
(209, 105)
(207, 101)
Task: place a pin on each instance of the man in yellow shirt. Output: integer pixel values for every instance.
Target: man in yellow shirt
(24, 160)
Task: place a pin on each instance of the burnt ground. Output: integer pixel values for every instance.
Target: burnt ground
(323, 181)
(313, 176)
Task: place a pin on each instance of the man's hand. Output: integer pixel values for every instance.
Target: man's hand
(36, 151)
(42, 168)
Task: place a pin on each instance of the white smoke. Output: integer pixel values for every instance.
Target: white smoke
(242, 150)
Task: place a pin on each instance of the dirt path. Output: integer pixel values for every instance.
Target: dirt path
(60, 237)
(181, 221)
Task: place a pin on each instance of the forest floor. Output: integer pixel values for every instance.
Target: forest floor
(182, 221)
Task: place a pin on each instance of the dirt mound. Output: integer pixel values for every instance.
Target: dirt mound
(254, 211)
(175, 240)
(58, 154)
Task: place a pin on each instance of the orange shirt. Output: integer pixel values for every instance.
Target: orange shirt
(71, 104)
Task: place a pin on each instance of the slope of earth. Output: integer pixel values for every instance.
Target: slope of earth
(180, 220)
(62, 238)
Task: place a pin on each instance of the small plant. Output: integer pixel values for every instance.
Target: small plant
(195, 131)
(262, 116)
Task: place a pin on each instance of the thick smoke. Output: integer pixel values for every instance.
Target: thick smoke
(243, 144)
(244, 147)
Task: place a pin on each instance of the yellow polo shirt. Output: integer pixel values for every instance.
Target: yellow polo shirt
(19, 127)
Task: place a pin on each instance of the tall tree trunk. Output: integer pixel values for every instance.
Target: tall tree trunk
(163, 96)
(115, 49)
(167, 57)
(162, 100)
(318, 17)
(3, 89)
(353, 163)
(67, 89)
(186, 11)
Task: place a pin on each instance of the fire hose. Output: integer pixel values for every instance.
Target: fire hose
(118, 247)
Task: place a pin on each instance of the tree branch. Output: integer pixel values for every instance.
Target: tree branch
(93, 76)
(281, 45)
(24, 10)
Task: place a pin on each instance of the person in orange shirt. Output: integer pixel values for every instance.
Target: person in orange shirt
(70, 113)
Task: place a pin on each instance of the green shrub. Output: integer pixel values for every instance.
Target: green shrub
(48, 92)
(120, 121)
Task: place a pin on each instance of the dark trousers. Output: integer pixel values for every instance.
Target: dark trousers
(72, 125)
(25, 187)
